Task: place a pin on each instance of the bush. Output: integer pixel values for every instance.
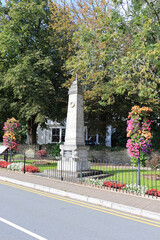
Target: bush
(99, 147)
(16, 166)
(55, 150)
(42, 153)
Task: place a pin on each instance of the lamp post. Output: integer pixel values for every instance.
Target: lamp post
(10, 155)
(139, 176)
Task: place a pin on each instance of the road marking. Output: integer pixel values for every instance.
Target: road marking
(86, 205)
(22, 229)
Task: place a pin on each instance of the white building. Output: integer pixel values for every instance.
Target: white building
(55, 133)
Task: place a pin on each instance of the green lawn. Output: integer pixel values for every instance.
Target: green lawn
(52, 165)
(42, 167)
(130, 175)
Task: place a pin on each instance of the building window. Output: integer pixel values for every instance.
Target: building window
(55, 134)
(63, 134)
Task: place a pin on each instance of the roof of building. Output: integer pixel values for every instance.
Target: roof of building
(3, 149)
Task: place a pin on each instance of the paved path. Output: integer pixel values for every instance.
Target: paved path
(144, 206)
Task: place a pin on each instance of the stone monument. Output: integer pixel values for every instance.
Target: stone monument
(74, 153)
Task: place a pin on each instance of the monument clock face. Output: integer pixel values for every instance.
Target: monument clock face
(72, 104)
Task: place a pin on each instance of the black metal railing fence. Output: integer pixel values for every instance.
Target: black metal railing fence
(109, 175)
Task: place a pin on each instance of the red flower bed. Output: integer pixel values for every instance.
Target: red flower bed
(32, 169)
(114, 185)
(153, 192)
(4, 164)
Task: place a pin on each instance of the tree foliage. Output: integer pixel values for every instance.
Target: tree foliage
(117, 56)
(113, 46)
(137, 72)
(98, 42)
(30, 65)
(63, 26)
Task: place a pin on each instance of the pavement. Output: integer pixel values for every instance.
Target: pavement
(142, 206)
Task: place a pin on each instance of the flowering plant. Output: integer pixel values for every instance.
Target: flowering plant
(41, 153)
(11, 137)
(114, 185)
(153, 192)
(105, 183)
(4, 164)
(16, 166)
(139, 134)
(30, 168)
(134, 188)
(94, 181)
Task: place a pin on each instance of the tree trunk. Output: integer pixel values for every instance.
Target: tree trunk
(32, 131)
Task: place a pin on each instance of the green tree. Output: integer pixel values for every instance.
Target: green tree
(63, 26)
(117, 56)
(137, 71)
(97, 43)
(30, 65)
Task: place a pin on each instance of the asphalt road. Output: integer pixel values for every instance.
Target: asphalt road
(30, 214)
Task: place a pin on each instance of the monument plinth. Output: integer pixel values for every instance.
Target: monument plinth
(74, 152)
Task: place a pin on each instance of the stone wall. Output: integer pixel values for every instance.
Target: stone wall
(28, 150)
(108, 155)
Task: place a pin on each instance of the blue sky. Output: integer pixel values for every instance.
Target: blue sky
(3, 1)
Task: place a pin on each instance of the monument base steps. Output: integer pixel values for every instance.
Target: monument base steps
(78, 176)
